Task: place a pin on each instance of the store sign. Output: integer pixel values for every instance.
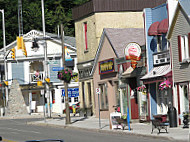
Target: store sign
(133, 53)
(106, 66)
(72, 92)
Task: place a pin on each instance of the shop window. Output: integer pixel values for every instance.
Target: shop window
(69, 99)
(183, 48)
(103, 97)
(76, 99)
(186, 100)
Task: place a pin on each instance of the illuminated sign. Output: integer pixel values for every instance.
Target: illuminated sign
(106, 66)
(133, 53)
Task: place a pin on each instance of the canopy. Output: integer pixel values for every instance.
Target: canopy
(163, 26)
(153, 29)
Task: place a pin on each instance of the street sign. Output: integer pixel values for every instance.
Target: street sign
(72, 92)
(97, 90)
(57, 68)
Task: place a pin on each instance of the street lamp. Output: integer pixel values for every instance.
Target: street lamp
(5, 59)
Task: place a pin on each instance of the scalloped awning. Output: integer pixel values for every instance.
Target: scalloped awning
(163, 26)
(153, 29)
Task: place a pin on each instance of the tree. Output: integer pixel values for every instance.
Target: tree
(56, 11)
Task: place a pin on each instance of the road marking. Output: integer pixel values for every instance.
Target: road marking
(19, 130)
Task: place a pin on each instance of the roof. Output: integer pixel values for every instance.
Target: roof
(68, 41)
(157, 72)
(94, 6)
(184, 4)
(119, 38)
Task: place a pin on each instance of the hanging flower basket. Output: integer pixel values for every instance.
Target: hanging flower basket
(141, 88)
(165, 85)
(65, 75)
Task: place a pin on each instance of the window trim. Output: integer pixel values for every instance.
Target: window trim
(85, 37)
(183, 46)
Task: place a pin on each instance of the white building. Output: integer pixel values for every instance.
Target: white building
(24, 70)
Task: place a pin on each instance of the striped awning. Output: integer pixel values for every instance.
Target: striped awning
(159, 71)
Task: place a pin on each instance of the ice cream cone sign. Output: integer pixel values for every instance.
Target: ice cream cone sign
(133, 53)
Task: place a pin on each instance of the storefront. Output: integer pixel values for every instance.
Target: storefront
(159, 89)
(115, 75)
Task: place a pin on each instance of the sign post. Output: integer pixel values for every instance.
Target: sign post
(98, 93)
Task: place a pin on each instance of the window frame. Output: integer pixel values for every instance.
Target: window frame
(184, 48)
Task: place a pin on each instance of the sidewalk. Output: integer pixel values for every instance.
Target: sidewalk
(143, 129)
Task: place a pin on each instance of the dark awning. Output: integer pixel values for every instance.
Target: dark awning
(163, 26)
(153, 29)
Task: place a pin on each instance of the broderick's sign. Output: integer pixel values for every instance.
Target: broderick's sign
(133, 53)
(106, 66)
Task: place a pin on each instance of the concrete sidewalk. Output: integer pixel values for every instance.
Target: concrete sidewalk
(143, 129)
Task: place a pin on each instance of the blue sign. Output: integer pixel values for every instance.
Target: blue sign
(57, 68)
(72, 92)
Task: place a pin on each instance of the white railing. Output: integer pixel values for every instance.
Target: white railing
(35, 78)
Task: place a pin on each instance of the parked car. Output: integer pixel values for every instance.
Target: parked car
(77, 105)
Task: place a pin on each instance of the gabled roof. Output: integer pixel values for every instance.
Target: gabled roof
(184, 5)
(68, 41)
(119, 38)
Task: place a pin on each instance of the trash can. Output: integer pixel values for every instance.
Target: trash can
(172, 114)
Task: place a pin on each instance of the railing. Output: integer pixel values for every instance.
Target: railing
(161, 57)
(35, 78)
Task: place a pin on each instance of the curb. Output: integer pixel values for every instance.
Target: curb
(105, 131)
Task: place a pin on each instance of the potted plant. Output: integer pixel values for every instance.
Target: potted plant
(65, 75)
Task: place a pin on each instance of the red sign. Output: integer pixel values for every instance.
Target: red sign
(133, 53)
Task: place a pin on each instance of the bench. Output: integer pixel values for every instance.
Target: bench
(160, 122)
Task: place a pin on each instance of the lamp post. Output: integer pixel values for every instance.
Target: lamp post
(45, 61)
(5, 59)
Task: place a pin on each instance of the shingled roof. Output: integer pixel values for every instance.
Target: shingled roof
(119, 38)
(94, 6)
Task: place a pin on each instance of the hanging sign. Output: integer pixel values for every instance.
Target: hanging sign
(133, 53)
(106, 66)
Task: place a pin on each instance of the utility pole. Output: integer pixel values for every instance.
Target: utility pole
(5, 58)
(45, 61)
(68, 120)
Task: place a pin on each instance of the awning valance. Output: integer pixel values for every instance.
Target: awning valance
(163, 26)
(159, 71)
(153, 29)
(130, 72)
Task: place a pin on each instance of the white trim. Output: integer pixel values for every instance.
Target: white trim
(98, 52)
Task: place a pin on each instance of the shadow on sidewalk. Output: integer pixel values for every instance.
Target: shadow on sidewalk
(80, 119)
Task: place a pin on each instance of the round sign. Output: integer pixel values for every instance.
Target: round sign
(132, 50)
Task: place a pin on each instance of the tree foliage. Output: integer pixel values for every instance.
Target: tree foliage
(56, 12)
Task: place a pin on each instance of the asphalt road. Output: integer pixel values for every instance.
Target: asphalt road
(18, 130)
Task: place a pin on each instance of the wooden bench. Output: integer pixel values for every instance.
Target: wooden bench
(160, 122)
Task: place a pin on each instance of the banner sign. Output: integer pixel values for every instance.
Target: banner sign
(106, 66)
(133, 53)
(72, 92)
